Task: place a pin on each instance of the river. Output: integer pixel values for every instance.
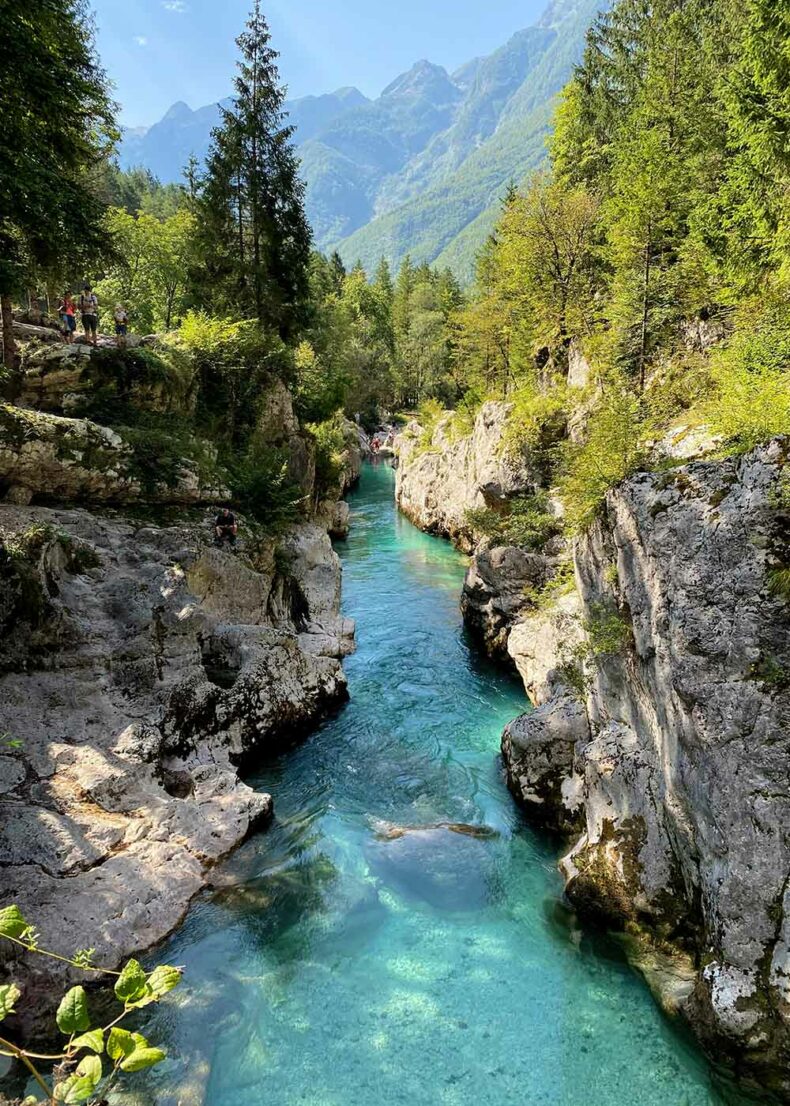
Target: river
(338, 964)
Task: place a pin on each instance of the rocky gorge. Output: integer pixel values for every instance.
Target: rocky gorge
(655, 649)
(142, 667)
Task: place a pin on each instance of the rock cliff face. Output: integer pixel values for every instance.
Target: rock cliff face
(672, 780)
(658, 743)
(438, 482)
(140, 668)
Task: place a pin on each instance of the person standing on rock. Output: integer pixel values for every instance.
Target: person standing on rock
(89, 309)
(68, 317)
(121, 325)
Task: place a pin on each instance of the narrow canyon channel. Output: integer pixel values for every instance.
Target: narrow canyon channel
(398, 936)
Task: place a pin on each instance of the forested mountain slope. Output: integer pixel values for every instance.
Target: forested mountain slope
(421, 169)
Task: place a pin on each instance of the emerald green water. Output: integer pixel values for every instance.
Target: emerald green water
(337, 968)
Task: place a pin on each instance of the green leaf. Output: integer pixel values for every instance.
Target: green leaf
(90, 1066)
(9, 993)
(142, 1058)
(93, 1039)
(77, 1088)
(12, 923)
(120, 1043)
(163, 979)
(72, 1015)
(132, 984)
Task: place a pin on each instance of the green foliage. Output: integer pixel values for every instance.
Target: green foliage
(138, 190)
(524, 522)
(751, 375)
(261, 484)
(50, 212)
(330, 444)
(254, 240)
(79, 1074)
(771, 673)
(779, 583)
(608, 631)
(613, 448)
(25, 548)
(72, 1015)
(145, 377)
(150, 271)
(429, 415)
(9, 993)
(538, 420)
(234, 362)
(319, 390)
(561, 583)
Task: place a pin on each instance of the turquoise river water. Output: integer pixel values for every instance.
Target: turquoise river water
(334, 965)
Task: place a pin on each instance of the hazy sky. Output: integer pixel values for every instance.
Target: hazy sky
(160, 51)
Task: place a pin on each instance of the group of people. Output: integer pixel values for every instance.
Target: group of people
(88, 306)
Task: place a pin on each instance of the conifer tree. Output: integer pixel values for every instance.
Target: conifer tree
(256, 239)
(57, 129)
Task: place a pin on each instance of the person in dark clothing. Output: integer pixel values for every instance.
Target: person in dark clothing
(225, 528)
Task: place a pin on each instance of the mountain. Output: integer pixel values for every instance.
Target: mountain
(422, 168)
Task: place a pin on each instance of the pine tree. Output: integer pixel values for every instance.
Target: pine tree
(256, 238)
(57, 130)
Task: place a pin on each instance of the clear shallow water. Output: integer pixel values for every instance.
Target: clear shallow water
(335, 967)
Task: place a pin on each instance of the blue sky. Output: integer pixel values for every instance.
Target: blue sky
(160, 51)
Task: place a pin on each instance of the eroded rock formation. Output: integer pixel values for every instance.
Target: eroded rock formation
(659, 739)
(141, 667)
(438, 482)
(672, 780)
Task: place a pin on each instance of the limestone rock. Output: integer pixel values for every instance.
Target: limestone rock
(542, 641)
(59, 378)
(57, 458)
(435, 487)
(496, 591)
(684, 781)
(539, 750)
(141, 677)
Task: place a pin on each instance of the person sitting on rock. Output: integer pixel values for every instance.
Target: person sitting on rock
(225, 528)
(121, 325)
(68, 317)
(89, 309)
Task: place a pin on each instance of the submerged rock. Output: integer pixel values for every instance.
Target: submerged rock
(441, 865)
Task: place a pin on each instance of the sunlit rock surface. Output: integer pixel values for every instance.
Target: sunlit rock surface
(140, 667)
(683, 777)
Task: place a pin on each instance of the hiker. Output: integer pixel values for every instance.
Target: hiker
(121, 325)
(89, 309)
(68, 317)
(225, 528)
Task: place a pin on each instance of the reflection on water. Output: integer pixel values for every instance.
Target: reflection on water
(365, 952)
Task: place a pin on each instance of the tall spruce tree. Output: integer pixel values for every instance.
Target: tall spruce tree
(57, 129)
(256, 239)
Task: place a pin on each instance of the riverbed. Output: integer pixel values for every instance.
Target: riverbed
(398, 936)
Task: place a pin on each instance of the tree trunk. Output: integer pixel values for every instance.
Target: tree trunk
(9, 345)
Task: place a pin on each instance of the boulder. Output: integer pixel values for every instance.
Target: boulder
(497, 589)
